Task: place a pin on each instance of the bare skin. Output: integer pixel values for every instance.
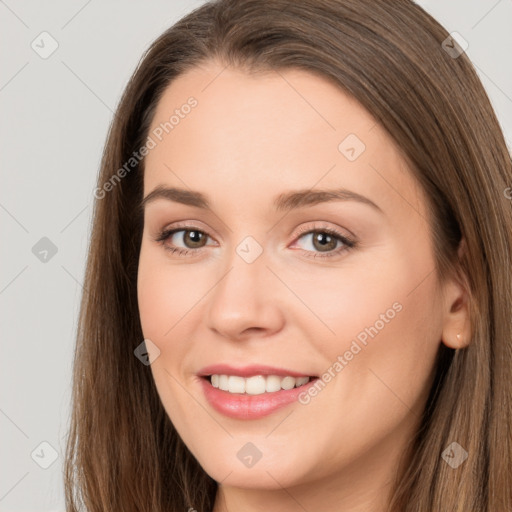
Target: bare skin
(248, 140)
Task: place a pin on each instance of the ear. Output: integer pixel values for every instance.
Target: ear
(456, 323)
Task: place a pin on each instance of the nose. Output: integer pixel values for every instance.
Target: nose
(247, 301)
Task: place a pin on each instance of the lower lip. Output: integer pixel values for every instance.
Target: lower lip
(250, 407)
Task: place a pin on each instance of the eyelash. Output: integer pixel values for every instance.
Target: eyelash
(348, 242)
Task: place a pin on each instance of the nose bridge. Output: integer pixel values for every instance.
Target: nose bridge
(243, 298)
(241, 287)
(246, 262)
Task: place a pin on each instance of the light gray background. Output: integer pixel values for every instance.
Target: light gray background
(54, 120)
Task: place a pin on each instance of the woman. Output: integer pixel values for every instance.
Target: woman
(298, 284)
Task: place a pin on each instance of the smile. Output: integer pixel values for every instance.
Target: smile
(248, 398)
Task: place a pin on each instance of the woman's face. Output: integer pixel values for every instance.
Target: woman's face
(266, 292)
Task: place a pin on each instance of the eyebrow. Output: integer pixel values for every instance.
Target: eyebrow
(283, 202)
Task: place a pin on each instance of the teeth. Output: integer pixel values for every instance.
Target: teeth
(272, 383)
(223, 382)
(256, 385)
(288, 383)
(236, 384)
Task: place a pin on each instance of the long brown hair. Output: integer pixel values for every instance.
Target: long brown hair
(123, 452)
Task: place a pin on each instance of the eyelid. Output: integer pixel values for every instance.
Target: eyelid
(183, 226)
(324, 227)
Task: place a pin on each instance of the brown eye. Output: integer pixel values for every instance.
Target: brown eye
(190, 239)
(324, 241)
(193, 239)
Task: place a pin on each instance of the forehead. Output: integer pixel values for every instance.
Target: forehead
(271, 131)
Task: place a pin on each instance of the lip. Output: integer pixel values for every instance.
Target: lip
(250, 407)
(249, 371)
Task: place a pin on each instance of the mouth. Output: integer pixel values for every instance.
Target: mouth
(254, 391)
(256, 384)
(253, 397)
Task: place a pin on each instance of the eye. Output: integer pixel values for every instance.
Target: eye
(194, 239)
(327, 241)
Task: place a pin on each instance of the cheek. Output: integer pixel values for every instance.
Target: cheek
(165, 298)
(164, 295)
(350, 302)
(170, 298)
(385, 336)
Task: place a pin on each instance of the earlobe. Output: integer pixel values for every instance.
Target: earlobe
(456, 330)
(457, 325)
(460, 340)
(456, 333)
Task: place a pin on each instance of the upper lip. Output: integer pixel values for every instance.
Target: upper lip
(249, 371)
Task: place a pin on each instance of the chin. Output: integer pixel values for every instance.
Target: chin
(264, 475)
